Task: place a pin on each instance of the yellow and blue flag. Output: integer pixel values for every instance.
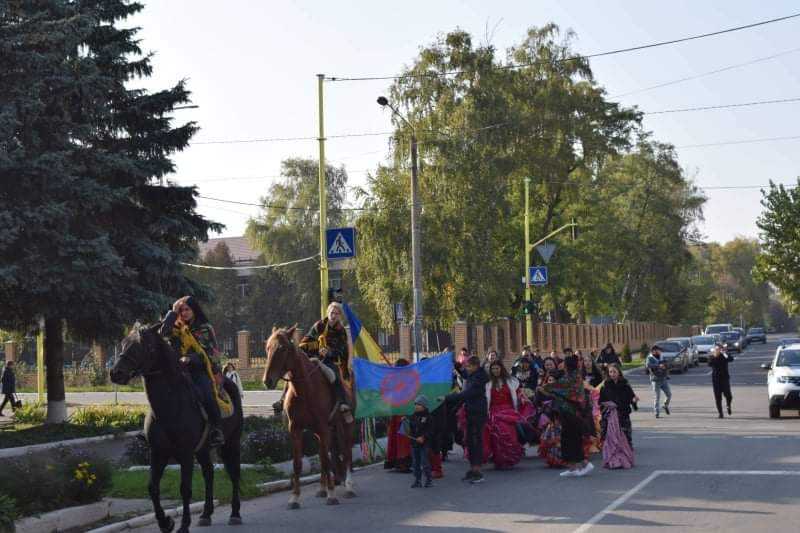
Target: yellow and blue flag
(364, 345)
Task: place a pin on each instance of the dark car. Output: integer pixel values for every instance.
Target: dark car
(743, 333)
(757, 335)
(732, 341)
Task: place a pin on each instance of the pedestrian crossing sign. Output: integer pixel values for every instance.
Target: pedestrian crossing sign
(341, 243)
(538, 275)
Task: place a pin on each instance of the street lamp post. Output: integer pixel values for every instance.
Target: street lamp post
(416, 256)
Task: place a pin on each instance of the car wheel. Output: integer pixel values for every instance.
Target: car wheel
(774, 411)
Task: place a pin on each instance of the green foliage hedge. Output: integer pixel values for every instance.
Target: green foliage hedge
(8, 513)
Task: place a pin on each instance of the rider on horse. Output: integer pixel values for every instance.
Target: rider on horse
(186, 312)
(327, 340)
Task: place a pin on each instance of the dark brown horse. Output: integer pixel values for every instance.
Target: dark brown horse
(308, 404)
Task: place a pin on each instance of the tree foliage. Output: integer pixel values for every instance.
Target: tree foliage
(779, 223)
(90, 239)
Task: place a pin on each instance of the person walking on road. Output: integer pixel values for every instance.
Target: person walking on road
(476, 410)
(659, 378)
(9, 386)
(721, 378)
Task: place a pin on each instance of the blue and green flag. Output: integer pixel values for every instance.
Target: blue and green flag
(383, 390)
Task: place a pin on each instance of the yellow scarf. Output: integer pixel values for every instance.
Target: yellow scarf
(189, 344)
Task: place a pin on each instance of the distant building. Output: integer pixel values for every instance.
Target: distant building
(243, 256)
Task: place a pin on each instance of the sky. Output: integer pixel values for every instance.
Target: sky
(252, 66)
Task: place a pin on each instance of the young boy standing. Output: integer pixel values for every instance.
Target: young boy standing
(421, 434)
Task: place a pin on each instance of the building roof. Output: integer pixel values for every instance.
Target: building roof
(241, 251)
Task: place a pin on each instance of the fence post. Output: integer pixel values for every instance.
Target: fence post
(480, 340)
(460, 335)
(11, 351)
(243, 348)
(100, 355)
(509, 346)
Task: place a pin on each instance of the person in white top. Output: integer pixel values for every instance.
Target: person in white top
(231, 373)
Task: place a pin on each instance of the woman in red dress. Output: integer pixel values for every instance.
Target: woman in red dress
(507, 407)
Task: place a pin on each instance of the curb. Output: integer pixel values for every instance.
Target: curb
(64, 519)
(148, 519)
(23, 450)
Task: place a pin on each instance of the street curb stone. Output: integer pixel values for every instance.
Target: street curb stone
(23, 450)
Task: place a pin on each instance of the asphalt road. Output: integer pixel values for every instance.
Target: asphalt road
(694, 472)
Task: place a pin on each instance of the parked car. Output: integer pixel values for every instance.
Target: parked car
(687, 343)
(673, 355)
(717, 328)
(703, 343)
(757, 335)
(743, 333)
(783, 380)
(732, 341)
(787, 341)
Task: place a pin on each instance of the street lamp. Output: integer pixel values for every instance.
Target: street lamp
(416, 260)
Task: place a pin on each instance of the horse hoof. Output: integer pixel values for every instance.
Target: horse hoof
(322, 493)
(350, 494)
(293, 506)
(168, 526)
(332, 501)
(235, 521)
(204, 521)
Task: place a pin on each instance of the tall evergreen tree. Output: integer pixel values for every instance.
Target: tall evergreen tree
(91, 238)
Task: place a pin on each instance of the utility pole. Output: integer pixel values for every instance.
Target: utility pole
(323, 207)
(528, 292)
(416, 256)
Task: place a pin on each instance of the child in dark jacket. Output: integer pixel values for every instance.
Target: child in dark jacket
(420, 431)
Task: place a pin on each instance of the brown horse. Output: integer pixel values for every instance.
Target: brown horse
(308, 404)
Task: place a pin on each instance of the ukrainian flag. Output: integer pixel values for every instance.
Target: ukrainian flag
(364, 345)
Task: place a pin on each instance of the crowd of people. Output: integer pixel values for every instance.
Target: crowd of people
(571, 405)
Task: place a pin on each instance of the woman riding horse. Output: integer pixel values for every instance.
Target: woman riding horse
(327, 340)
(187, 312)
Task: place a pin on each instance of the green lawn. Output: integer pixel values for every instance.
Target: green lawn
(126, 484)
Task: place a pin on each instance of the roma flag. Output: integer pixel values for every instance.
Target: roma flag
(383, 390)
(363, 343)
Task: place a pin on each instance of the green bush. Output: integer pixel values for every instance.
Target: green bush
(626, 354)
(43, 483)
(31, 413)
(122, 417)
(137, 452)
(8, 513)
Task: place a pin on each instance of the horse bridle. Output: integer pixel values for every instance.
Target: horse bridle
(293, 379)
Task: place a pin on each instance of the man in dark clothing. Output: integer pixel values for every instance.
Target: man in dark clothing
(420, 431)
(477, 410)
(9, 386)
(721, 378)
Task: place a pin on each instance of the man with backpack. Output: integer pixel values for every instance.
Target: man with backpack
(659, 377)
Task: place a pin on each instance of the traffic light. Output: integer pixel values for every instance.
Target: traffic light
(528, 307)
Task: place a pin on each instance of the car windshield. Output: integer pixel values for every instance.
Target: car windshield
(683, 342)
(702, 339)
(756, 330)
(717, 329)
(791, 340)
(669, 346)
(788, 358)
(730, 336)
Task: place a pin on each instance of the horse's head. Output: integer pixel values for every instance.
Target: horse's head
(280, 352)
(139, 356)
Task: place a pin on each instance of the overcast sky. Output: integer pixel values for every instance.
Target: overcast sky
(251, 66)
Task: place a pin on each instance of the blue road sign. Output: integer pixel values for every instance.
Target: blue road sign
(341, 243)
(538, 275)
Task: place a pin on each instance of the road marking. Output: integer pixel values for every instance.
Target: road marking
(593, 521)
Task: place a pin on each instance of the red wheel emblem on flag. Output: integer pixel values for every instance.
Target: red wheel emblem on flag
(400, 388)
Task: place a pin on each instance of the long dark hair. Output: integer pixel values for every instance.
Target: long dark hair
(496, 381)
(199, 316)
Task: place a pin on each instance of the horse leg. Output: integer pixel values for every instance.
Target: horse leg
(325, 466)
(297, 462)
(187, 464)
(346, 449)
(157, 465)
(323, 481)
(231, 457)
(204, 458)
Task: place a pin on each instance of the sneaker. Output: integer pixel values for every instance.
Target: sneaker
(666, 408)
(568, 473)
(476, 478)
(658, 415)
(428, 484)
(468, 476)
(416, 485)
(588, 467)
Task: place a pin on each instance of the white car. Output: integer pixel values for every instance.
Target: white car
(783, 380)
(717, 328)
(703, 344)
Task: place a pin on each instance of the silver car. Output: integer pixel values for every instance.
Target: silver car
(673, 355)
(704, 344)
(686, 342)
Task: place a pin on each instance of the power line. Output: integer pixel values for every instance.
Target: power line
(745, 141)
(573, 58)
(291, 139)
(724, 106)
(254, 267)
(704, 74)
(288, 207)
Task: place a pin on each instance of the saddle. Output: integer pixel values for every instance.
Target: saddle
(327, 372)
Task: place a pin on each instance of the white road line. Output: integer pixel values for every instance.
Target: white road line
(616, 503)
(593, 521)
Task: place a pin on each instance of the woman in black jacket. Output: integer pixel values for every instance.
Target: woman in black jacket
(615, 388)
(9, 386)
